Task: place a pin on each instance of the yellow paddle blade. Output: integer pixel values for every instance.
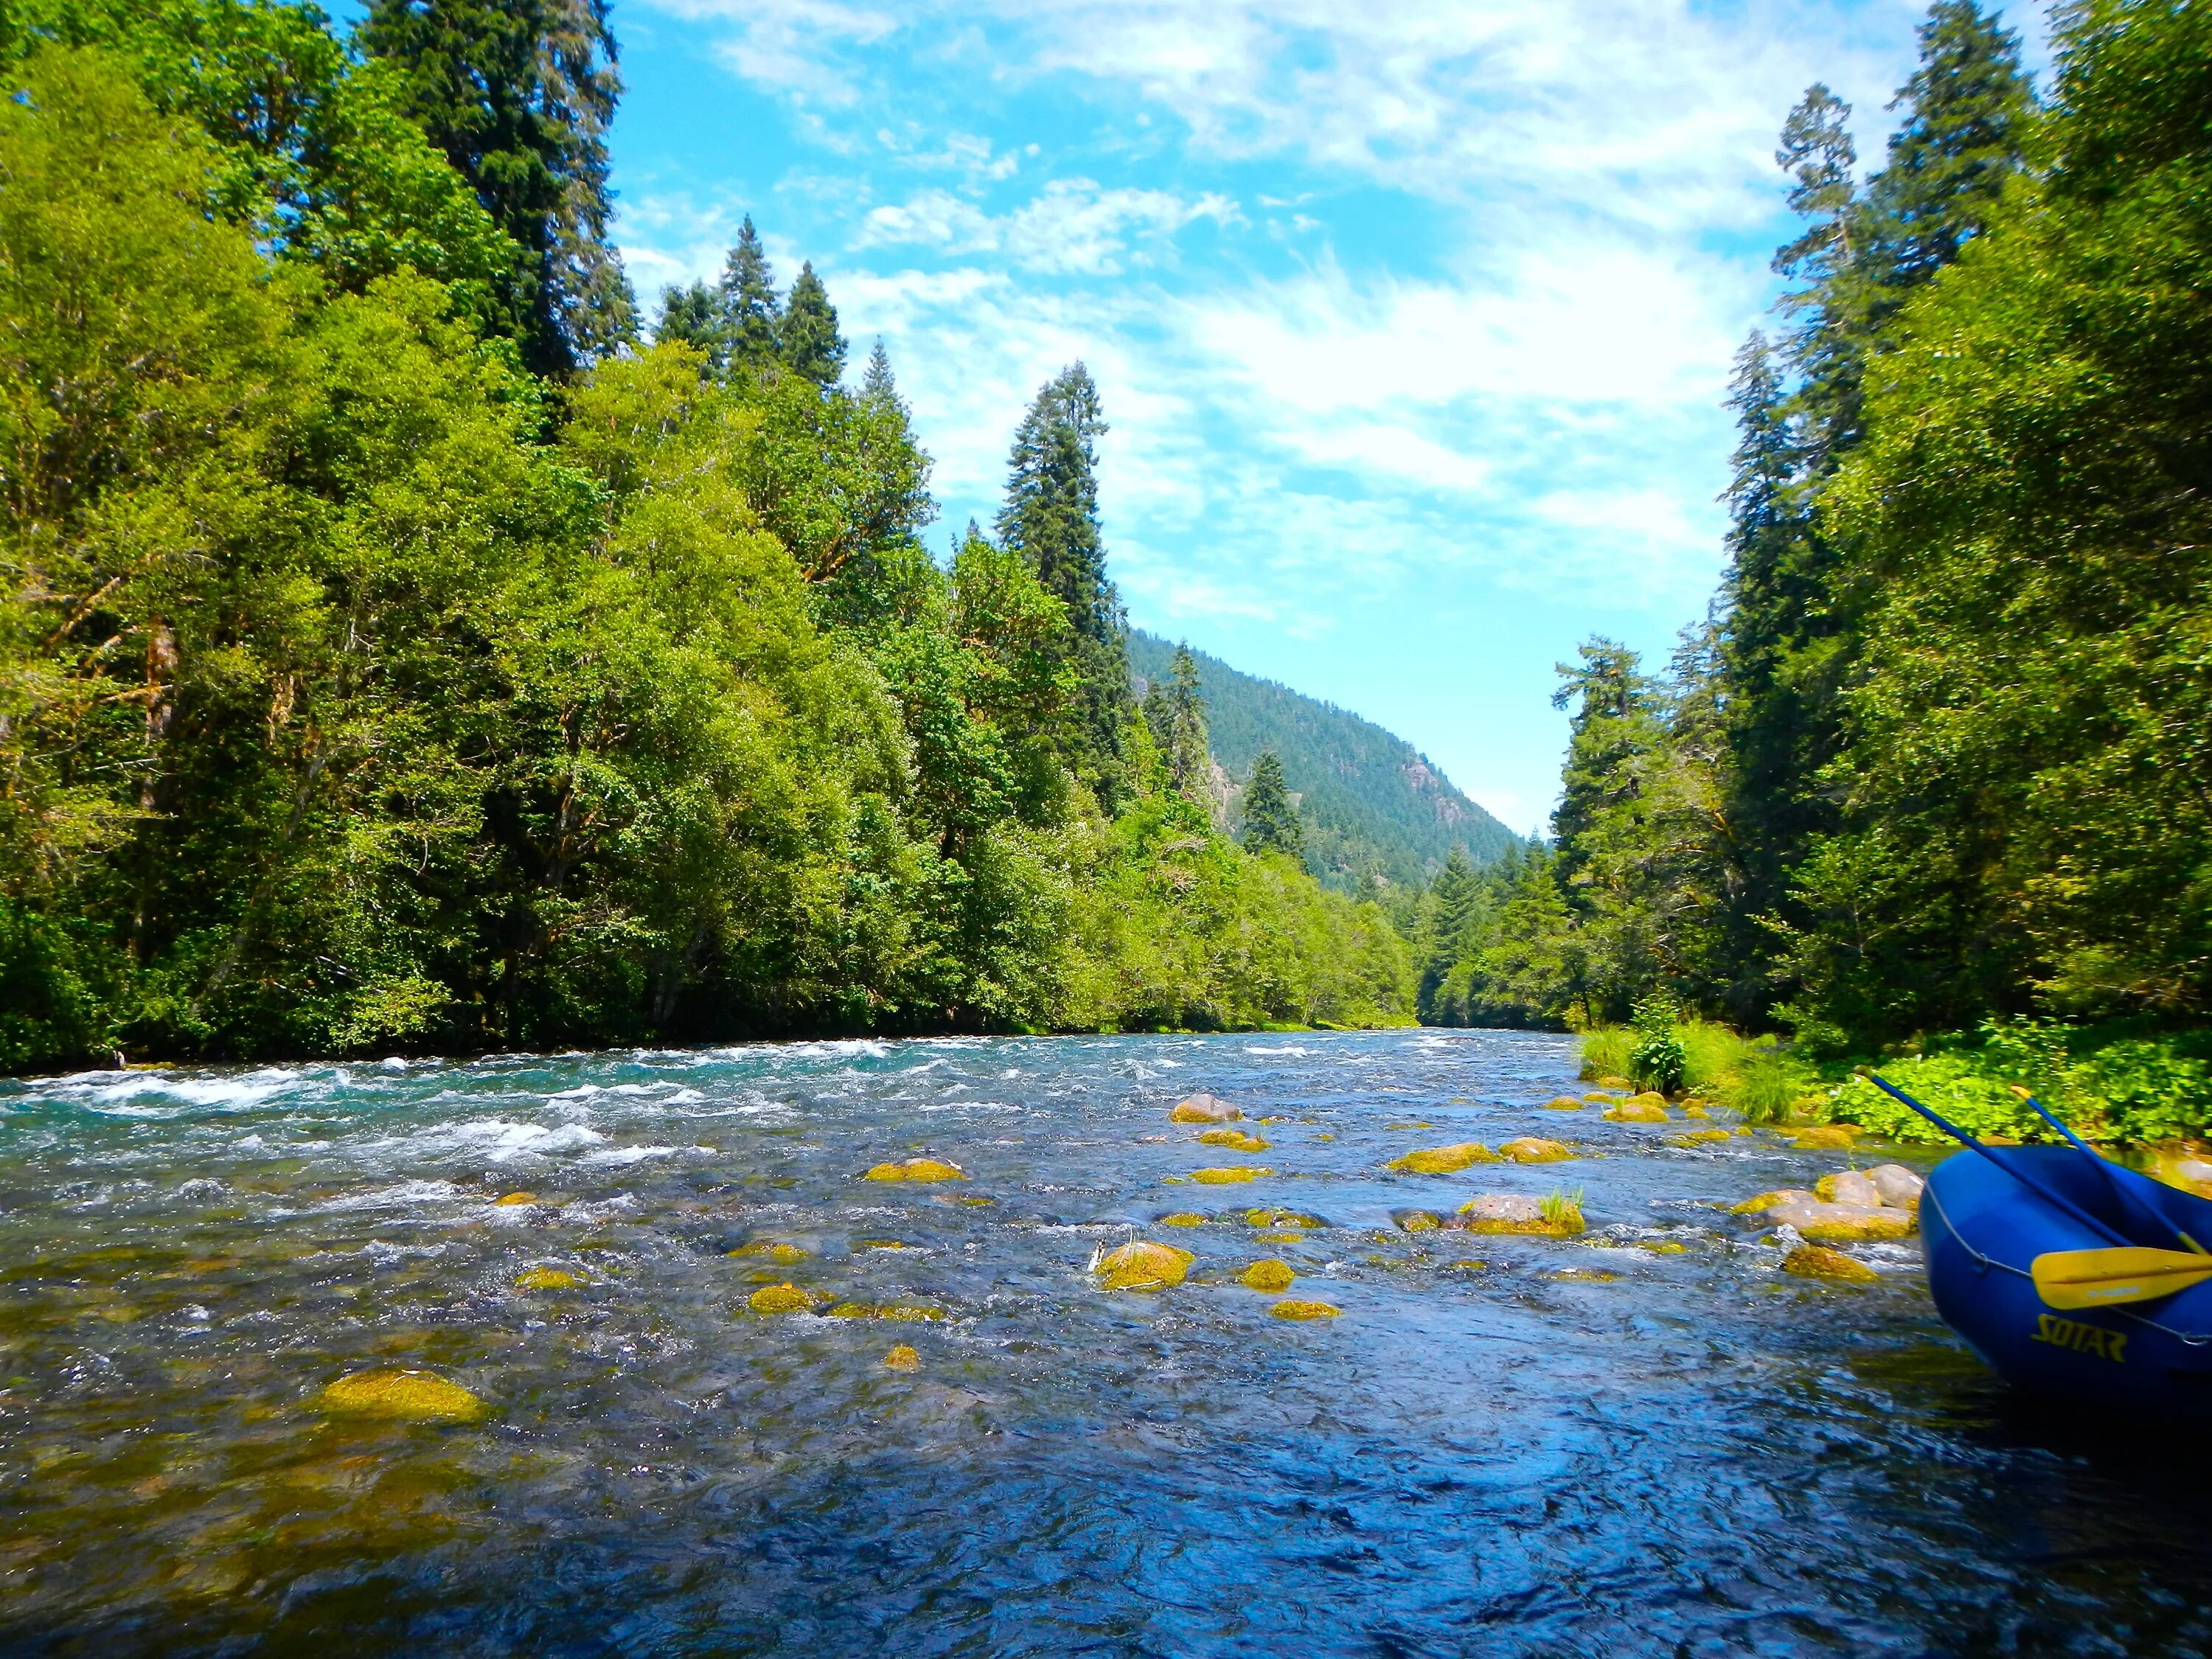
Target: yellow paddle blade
(2097, 1278)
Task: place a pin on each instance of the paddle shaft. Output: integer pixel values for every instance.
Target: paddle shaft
(2111, 1182)
(2029, 1182)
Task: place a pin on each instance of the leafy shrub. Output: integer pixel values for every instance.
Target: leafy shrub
(2107, 1086)
(1657, 1060)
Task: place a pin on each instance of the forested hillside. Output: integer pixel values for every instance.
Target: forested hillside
(1373, 805)
(1943, 755)
(402, 649)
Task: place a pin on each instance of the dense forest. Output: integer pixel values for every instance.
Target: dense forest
(400, 651)
(1940, 757)
(1378, 815)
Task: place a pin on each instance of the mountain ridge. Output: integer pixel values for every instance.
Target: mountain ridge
(1374, 804)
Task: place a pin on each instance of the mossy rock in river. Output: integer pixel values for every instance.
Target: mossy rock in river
(1898, 1187)
(1812, 1261)
(1235, 1139)
(1203, 1108)
(1642, 1108)
(902, 1359)
(1183, 1219)
(1271, 1276)
(1563, 1104)
(773, 1251)
(1226, 1176)
(1843, 1224)
(513, 1201)
(1289, 1309)
(1768, 1201)
(1419, 1221)
(402, 1396)
(779, 1299)
(1443, 1160)
(1141, 1265)
(1825, 1137)
(1846, 1187)
(1281, 1218)
(1534, 1149)
(917, 1169)
(1516, 1212)
(895, 1310)
(546, 1278)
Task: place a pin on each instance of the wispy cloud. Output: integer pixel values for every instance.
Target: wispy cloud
(1421, 305)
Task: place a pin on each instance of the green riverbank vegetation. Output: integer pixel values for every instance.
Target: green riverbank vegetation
(398, 651)
(1933, 783)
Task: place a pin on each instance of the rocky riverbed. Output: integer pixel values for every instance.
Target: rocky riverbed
(1387, 1342)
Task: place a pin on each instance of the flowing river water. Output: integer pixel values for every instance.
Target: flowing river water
(1645, 1440)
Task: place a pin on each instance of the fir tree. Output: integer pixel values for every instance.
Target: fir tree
(1176, 715)
(876, 385)
(806, 334)
(752, 311)
(1271, 818)
(1967, 108)
(1051, 518)
(518, 95)
(694, 316)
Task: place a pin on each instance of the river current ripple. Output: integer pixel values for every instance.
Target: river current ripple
(1674, 1452)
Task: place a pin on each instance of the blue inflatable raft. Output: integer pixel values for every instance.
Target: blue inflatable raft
(1989, 1213)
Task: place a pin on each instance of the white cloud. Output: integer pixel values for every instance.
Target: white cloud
(1071, 226)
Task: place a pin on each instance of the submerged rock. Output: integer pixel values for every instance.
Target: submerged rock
(1534, 1149)
(773, 1251)
(1203, 1108)
(1843, 1223)
(1443, 1160)
(1280, 1218)
(1897, 1185)
(906, 1310)
(402, 1396)
(1825, 1137)
(1419, 1221)
(545, 1278)
(902, 1359)
(1583, 1276)
(1642, 1108)
(512, 1199)
(1270, 1275)
(1516, 1212)
(1226, 1176)
(1183, 1219)
(1698, 1138)
(1288, 1309)
(917, 1169)
(1142, 1265)
(1768, 1201)
(779, 1299)
(1235, 1140)
(1811, 1262)
(1846, 1187)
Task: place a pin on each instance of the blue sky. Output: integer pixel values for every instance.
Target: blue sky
(1413, 318)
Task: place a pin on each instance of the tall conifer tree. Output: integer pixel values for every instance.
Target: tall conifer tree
(1051, 518)
(1271, 818)
(518, 95)
(806, 334)
(1176, 713)
(749, 299)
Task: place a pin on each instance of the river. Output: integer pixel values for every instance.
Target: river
(1673, 1449)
